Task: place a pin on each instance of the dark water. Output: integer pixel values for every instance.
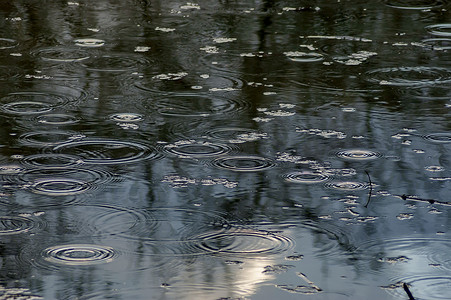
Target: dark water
(225, 149)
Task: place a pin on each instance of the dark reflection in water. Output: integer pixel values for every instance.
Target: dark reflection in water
(225, 149)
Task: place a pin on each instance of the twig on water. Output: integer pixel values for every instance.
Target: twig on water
(406, 288)
(418, 199)
(371, 189)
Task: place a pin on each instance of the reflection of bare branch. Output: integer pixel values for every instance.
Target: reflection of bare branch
(371, 189)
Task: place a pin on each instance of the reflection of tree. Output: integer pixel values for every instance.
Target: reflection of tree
(320, 92)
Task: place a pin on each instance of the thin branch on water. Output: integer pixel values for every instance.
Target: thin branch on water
(406, 288)
(371, 189)
(418, 199)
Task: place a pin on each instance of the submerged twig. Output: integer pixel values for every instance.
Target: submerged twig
(371, 189)
(406, 288)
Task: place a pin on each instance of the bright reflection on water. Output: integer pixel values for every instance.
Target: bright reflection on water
(225, 149)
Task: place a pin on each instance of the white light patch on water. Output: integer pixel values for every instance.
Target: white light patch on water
(17, 293)
(309, 47)
(229, 89)
(279, 113)
(170, 76)
(210, 49)
(286, 105)
(142, 48)
(177, 181)
(326, 133)
(337, 37)
(164, 29)
(223, 40)
(190, 5)
(15, 19)
(248, 137)
(355, 59)
(262, 120)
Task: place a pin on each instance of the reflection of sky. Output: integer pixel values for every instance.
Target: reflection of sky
(310, 82)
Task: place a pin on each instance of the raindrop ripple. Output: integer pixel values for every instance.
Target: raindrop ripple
(79, 254)
(105, 151)
(244, 163)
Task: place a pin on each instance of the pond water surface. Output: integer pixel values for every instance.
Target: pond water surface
(219, 149)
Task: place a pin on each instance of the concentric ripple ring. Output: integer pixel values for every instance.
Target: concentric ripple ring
(79, 254)
(244, 163)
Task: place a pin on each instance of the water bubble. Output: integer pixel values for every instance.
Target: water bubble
(89, 43)
(358, 154)
(16, 225)
(347, 185)
(61, 54)
(126, 117)
(441, 137)
(243, 242)
(104, 151)
(197, 149)
(244, 163)
(306, 177)
(440, 29)
(409, 76)
(79, 254)
(416, 4)
(7, 43)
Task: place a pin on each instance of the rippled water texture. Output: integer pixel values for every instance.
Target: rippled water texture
(248, 149)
